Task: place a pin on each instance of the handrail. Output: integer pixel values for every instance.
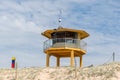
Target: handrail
(65, 42)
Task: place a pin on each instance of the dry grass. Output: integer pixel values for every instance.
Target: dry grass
(109, 71)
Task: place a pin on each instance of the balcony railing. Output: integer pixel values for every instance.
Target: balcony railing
(65, 43)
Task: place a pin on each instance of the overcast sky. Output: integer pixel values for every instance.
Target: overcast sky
(23, 21)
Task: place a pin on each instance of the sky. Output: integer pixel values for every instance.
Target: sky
(23, 21)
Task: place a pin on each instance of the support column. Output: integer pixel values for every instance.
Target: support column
(72, 58)
(81, 61)
(58, 61)
(47, 60)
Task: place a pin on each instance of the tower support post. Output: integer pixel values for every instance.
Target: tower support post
(72, 58)
(81, 61)
(58, 61)
(47, 60)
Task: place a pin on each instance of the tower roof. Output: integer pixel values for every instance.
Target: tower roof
(47, 33)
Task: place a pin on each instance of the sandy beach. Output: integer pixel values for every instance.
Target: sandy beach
(109, 71)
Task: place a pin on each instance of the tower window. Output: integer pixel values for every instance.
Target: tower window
(64, 36)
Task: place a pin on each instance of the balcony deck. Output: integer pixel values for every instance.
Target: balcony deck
(63, 47)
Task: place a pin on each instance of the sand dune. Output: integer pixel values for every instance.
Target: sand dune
(109, 71)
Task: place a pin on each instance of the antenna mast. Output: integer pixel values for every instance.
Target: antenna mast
(60, 20)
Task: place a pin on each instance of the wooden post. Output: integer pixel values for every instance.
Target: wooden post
(58, 61)
(16, 73)
(81, 61)
(72, 58)
(47, 60)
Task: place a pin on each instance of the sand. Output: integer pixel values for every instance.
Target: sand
(109, 71)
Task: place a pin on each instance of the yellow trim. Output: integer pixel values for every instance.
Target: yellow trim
(64, 49)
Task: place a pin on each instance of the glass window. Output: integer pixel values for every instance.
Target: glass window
(64, 37)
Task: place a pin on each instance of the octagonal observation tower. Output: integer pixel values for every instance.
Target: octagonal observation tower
(64, 43)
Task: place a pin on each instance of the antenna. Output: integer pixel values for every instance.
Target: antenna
(59, 19)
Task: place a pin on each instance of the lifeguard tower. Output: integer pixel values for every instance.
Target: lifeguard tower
(64, 42)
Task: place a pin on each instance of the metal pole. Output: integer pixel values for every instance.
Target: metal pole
(113, 56)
